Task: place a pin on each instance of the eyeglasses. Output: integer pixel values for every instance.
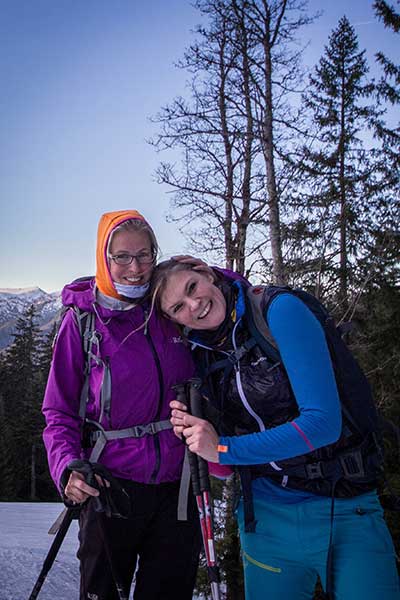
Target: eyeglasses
(144, 258)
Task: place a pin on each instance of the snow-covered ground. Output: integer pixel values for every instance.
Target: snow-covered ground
(24, 543)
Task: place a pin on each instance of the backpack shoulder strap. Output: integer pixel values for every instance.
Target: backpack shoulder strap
(85, 322)
(258, 299)
(87, 328)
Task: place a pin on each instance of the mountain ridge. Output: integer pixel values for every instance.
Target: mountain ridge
(15, 301)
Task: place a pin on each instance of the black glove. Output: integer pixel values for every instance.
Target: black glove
(113, 500)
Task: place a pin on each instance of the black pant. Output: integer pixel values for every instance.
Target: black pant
(167, 549)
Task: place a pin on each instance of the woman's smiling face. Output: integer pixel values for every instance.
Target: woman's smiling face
(137, 244)
(190, 298)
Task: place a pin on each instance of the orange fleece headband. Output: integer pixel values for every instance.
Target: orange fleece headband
(108, 222)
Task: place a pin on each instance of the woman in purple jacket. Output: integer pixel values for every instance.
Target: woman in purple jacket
(134, 361)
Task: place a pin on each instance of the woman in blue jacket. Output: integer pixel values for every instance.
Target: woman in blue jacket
(282, 418)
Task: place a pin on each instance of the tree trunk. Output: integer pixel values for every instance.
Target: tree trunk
(268, 151)
(33, 473)
(343, 204)
(229, 245)
(244, 218)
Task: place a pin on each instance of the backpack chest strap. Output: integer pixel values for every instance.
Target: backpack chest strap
(231, 358)
(101, 436)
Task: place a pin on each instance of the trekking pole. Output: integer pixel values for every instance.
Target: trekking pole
(53, 551)
(89, 470)
(195, 406)
(201, 487)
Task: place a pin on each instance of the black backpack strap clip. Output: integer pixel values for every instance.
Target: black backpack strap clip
(352, 464)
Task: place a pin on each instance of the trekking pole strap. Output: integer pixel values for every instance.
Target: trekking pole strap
(182, 512)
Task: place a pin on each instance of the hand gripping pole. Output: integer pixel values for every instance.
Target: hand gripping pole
(190, 395)
(103, 505)
(102, 508)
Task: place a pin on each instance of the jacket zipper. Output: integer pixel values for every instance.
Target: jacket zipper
(156, 439)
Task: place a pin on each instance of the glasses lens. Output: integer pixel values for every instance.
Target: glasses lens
(126, 259)
(122, 259)
(145, 258)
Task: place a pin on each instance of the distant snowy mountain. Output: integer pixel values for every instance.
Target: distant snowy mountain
(15, 301)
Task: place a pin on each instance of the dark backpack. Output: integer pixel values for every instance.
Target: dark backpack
(355, 393)
(358, 406)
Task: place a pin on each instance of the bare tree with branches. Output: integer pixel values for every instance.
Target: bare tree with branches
(226, 191)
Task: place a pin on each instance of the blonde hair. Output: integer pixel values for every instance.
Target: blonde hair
(160, 276)
(136, 225)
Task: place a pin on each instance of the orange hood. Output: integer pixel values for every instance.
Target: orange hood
(108, 222)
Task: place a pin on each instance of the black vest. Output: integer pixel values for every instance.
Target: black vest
(345, 468)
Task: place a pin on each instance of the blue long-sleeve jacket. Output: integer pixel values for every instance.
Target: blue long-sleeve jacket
(304, 352)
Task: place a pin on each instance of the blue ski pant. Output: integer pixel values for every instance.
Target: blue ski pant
(289, 549)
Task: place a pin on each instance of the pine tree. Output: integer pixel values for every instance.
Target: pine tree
(375, 342)
(338, 203)
(389, 85)
(22, 400)
(388, 94)
(7, 479)
(46, 489)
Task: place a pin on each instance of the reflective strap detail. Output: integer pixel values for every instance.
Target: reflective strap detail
(184, 489)
(245, 402)
(257, 563)
(275, 466)
(242, 395)
(131, 432)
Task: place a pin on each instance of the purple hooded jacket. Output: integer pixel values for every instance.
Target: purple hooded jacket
(144, 367)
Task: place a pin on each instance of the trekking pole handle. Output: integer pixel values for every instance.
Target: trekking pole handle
(193, 459)
(85, 468)
(195, 405)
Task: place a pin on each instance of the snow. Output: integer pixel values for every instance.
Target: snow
(31, 293)
(24, 543)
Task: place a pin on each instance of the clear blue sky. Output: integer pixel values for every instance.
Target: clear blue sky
(79, 81)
